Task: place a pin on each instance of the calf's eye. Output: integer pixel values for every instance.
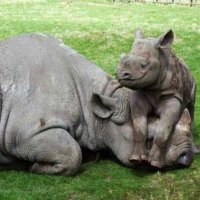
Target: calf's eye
(126, 64)
(143, 65)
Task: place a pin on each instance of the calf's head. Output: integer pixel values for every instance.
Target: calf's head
(142, 66)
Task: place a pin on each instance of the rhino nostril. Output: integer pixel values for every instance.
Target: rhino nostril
(185, 159)
(126, 75)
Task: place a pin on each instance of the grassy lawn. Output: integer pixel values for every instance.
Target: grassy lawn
(101, 31)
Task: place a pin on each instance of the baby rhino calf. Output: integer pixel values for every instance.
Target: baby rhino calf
(162, 85)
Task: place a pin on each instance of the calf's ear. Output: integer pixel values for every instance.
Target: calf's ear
(102, 106)
(166, 39)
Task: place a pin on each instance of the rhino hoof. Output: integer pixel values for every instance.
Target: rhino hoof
(134, 158)
(138, 159)
(156, 164)
(144, 158)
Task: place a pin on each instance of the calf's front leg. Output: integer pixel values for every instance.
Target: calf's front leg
(169, 112)
(139, 110)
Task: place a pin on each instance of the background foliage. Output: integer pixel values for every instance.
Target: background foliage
(101, 31)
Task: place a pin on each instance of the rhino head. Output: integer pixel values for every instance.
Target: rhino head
(113, 124)
(141, 68)
(114, 127)
(179, 149)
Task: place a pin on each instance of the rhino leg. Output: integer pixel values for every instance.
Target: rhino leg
(54, 151)
(139, 115)
(169, 112)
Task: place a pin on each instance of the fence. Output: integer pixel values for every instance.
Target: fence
(183, 2)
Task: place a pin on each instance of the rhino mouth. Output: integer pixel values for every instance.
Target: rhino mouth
(128, 77)
(132, 83)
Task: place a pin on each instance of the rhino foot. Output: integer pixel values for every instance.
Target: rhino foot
(53, 151)
(138, 154)
(155, 157)
(156, 164)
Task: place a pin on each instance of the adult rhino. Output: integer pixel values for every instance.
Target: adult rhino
(54, 101)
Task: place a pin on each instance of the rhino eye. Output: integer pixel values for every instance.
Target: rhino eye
(126, 64)
(143, 65)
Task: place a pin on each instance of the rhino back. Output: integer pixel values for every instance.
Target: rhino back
(178, 79)
(39, 87)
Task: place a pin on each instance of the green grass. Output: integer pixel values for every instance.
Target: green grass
(101, 31)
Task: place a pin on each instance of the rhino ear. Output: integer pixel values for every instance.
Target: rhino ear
(166, 39)
(102, 106)
(139, 34)
(185, 119)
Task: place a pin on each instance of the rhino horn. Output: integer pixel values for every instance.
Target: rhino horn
(139, 34)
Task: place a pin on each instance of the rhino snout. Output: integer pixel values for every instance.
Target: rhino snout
(185, 159)
(123, 75)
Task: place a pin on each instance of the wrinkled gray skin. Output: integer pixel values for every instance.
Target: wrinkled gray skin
(53, 102)
(179, 143)
(163, 86)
